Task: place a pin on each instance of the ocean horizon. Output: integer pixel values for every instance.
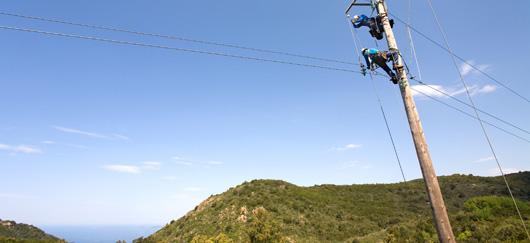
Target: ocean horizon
(100, 233)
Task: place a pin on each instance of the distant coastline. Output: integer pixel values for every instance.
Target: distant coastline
(100, 233)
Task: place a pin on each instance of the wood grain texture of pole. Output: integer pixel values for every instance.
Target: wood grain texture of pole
(439, 211)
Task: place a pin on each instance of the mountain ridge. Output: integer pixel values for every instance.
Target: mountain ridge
(278, 211)
(11, 231)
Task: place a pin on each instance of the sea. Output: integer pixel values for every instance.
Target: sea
(100, 234)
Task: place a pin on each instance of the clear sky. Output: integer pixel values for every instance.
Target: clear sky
(99, 133)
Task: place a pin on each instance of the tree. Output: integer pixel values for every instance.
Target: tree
(263, 228)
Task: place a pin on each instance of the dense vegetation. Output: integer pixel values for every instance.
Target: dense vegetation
(11, 232)
(276, 211)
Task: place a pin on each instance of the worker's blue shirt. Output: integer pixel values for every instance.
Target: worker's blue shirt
(362, 21)
(371, 51)
(368, 54)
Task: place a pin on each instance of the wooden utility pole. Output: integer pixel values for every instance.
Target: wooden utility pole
(443, 226)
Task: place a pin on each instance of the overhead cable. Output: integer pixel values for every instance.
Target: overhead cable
(462, 59)
(92, 38)
(172, 37)
(486, 136)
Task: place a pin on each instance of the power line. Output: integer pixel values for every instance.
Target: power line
(438, 208)
(253, 49)
(233, 56)
(381, 107)
(462, 59)
(389, 131)
(473, 106)
(413, 48)
(468, 105)
(175, 48)
(470, 115)
(172, 37)
(249, 58)
(219, 53)
(413, 52)
(411, 41)
(486, 136)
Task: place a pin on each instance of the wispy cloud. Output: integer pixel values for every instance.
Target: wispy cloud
(50, 143)
(15, 149)
(120, 136)
(113, 136)
(485, 159)
(130, 169)
(495, 171)
(350, 146)
(436, 90)
(484, 89)
(134, 168)
(182, 161)
(466, 69)
(79, 132)
(430, 90)
(439, 91)
(151, 165)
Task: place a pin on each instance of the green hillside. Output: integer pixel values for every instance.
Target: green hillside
(10, 231)
(277, 211)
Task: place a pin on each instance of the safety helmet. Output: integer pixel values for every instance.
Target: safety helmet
(356, 17)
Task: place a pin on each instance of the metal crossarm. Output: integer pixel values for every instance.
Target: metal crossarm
(355, 3)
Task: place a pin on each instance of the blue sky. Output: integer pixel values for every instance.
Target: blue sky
(98, 133)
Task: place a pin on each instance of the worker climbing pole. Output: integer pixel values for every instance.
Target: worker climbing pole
(379, 58)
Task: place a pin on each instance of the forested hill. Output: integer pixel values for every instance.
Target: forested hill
(10, 231)
(277, 211)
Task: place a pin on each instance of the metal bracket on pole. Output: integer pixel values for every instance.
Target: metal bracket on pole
(355, 3)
